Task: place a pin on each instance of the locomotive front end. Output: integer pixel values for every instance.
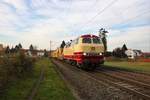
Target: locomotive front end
(90, 51)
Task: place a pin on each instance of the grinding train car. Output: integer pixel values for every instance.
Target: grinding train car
(86, 51)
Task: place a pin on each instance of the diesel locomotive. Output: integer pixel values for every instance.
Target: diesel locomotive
(86, 51)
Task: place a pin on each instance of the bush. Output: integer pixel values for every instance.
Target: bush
(22, 65)
(14, 67)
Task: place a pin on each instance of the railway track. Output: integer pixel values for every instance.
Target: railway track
(132, 73)
(130, 86)
(128, 77)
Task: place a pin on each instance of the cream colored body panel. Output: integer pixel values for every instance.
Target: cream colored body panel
(68, 51)
(83, 47)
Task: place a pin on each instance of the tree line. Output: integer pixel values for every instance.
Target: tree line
(17, 48)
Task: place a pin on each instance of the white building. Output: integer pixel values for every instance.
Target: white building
(35, 53)
(132, 54)
(40, 53)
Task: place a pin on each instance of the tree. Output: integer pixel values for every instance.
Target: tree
(20, 46)
(12, 50)
(45, 53)
(120, 52)
(62, 44)
(117, 52)
(31, 47)
(102, 35)
(7, 50)
(124, 48)
(17, 48)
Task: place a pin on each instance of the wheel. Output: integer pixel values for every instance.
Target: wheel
(78, 65)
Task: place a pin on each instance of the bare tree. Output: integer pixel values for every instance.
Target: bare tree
(31, 47)
(20, 46)
(62, 44)
(102, 35)
(7, 50)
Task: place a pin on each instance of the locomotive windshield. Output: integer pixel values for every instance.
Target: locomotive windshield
(96, 40)
(86, 40)
(89, 40)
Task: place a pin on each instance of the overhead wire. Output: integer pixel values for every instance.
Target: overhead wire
(141, 14)
(93, 5)
(132, 18)
(104, 9)
(99, 12)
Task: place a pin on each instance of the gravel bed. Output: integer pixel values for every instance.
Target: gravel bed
(142, 77)
(135, 76)
(89, 89)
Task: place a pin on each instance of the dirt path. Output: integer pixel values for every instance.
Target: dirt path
(36, 85)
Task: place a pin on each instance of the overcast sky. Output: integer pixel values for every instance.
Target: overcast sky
(39, 21)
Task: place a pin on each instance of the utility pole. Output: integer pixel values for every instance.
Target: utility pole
(50, 47)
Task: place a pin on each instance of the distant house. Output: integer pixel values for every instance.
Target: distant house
(2, 49)
(40, 53)
(32, 53)
(132, 54)
(35, 53)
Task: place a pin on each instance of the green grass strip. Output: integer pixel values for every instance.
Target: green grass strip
(52, 87)
(143, 67)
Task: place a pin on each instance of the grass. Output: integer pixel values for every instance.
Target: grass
(52, 87)
(143, 67)
(18, 89)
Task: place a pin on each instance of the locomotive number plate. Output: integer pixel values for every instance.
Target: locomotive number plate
(92, 48)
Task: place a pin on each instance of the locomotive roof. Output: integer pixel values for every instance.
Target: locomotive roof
(88, 35)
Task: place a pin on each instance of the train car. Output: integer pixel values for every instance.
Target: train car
(86, 51)
(58, 53)
(54, 53)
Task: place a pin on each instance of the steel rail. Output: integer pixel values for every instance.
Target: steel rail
(126, 79)
(123, 87)
(104, 80)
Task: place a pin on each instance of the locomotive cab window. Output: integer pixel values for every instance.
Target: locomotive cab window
(96, 40)
(86, 40)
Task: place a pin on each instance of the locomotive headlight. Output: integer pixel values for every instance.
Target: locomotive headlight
(84, 54)
(100, 53)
